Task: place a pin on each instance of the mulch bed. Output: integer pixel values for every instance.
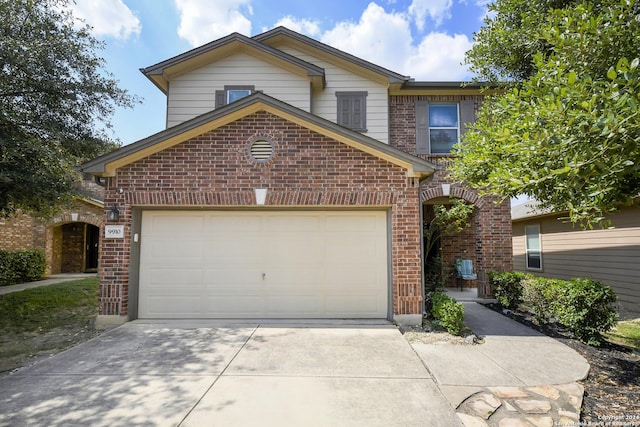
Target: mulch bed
(612, 388)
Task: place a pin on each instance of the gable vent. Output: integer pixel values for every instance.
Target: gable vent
(261, 150)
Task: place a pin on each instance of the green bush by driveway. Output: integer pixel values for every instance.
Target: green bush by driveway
(584, 306)
(448, 313)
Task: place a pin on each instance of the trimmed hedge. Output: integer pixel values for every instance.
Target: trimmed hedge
(448, 312)
(583, 306)
(507, 289)
(21, 266)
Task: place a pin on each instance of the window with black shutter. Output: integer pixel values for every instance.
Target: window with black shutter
(232, 93)
(352, 110)
(439, 125)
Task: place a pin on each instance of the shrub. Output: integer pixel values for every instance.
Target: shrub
(448, 312)
(539, 294)
(585, 307)
(507, 287)
(21, 266)
(7, 272)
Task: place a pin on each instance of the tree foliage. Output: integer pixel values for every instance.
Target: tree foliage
(567, 131)
(56, 101)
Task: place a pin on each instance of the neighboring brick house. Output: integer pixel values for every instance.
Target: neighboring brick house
(70, 240)
(290, 182)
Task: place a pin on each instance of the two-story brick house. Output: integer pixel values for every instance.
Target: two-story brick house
(290, 182)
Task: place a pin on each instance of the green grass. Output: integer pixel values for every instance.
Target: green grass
(48, 307)
(42, 321)
(626, 333)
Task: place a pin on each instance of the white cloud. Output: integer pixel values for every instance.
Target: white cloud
(438, 11)
(107, 17)
(380, 37)
(385, 39)
(439, 57)
(484, 6)
(202, 21)
(303, 26)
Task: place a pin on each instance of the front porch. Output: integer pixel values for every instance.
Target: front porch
(485, 239)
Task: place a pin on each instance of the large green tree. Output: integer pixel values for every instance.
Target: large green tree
(566, 129)
(56, 101)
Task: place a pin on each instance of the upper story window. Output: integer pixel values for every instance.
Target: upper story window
(533, 247)
(444, 128)
(352, 110)
(232, 93)
(439, 125)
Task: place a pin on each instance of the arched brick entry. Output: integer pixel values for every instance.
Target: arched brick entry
(71, 239)
(490, 231)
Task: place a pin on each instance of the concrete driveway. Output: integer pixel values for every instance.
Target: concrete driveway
(208, 374)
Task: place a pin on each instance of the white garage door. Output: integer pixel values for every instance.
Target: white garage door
(275, 264)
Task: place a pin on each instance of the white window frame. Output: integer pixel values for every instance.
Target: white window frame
(245, 92)
(535, 232)
(222, 97)
(456, 128)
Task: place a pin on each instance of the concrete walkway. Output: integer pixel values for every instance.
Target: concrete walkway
(517, 377)
(51, 280)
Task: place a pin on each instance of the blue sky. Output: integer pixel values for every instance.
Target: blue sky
(425, 39)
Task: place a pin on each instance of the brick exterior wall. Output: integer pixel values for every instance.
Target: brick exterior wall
(307, 170)
(488, 242)
(18, 232)
(63, 244)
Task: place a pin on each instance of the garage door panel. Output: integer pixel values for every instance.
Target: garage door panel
(161, 276)
(295, 279)
(293, 250)
(181, 307)
(364, 305)
(170, 222)
(350, 225)
(292, 223)
(234, 224)
(234, 306)
(351, 250)
(296, 306)
(232, 249)
(171, 250)
(315, 264)
(232, 277)
(352, 278)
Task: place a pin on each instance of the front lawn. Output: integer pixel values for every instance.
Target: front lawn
(43, 321)
(626, 333)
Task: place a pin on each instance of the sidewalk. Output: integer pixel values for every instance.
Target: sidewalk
(517, 377)
(51, 280)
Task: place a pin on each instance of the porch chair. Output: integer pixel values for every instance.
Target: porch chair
(464, 271)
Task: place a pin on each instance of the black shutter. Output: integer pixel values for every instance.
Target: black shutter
(467, 115)
(352, 110)
(221, 98)
(422, 127)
